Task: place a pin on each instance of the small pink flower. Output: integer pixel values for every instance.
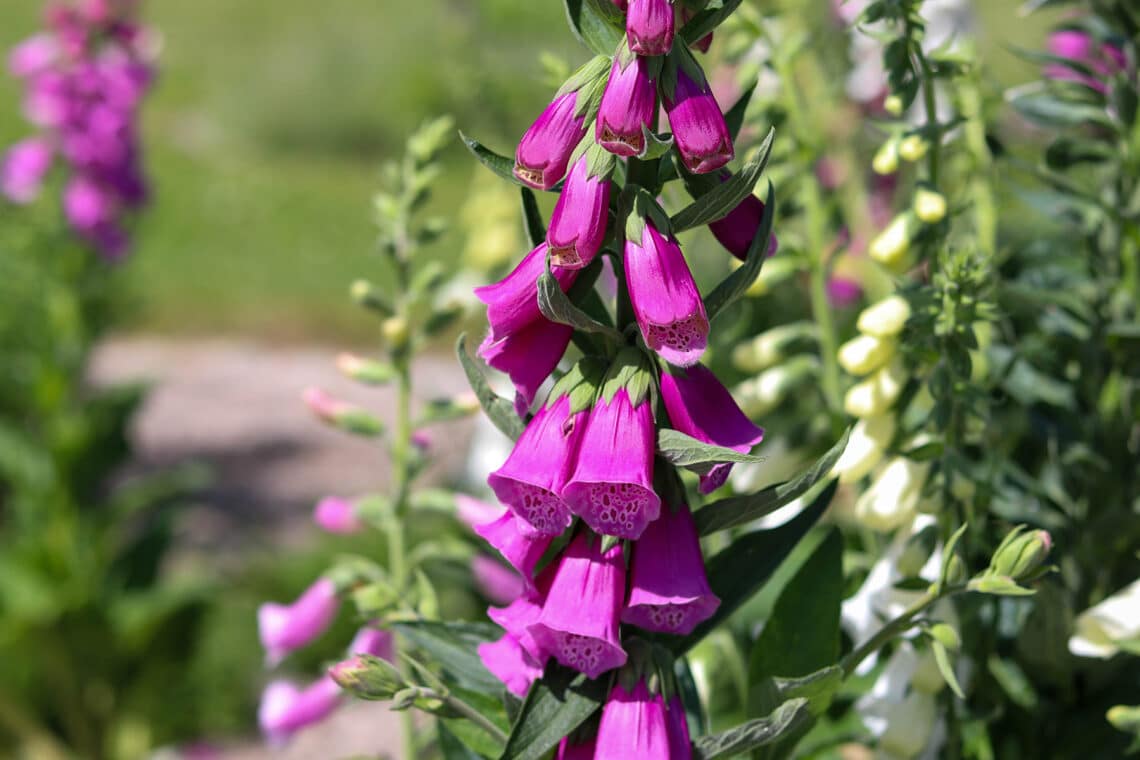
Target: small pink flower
(497, 583)
(23, 169)
(286, 708)
(285, 628)
(336, 515)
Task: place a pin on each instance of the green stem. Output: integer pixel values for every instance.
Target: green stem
(888, 632)
(982, 195)
(933, 155)
(473, 715)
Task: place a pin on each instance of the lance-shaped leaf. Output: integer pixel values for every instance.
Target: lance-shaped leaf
(557, 307)
(500, 411)
(722, 199)
(708, 20)
(500, 165)
(555, 706)
(685, 451)
(453, 646)
(532, 217)
(737, 283)
(738, 510)
(788, 717)
(598, 24)
(738, 572)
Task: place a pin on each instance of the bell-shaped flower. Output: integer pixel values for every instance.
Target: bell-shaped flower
(373, 641)
(665, 297)
(528, 356)
(572, 748)
(496, 582)
(628, 106)
(680, 745)
(865, 447)
(885, 318)
(893, 497)
(287, 708)
(544, 151)
(531, 481)
(668, 590)
(517, 542)
(650, 26)
(1103, 59)
(578, 624)
(611, 488)
(285, 628)
(474, 512)
(736, 230)
(510, 663)
(336, 515)
(698, 126)
(23, 169)
(518, 616)
(699, 406)
(1110, 626)
(578, 224)
(865, 353)
(32, 56)
(512, 303)
(633, 725)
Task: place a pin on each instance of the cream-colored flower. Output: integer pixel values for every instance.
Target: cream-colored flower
(865, 353)
(1102, 631)
(877, 393)
(890, 247)
(929, 206)
(885, 318)
(911, 725)
(892, 499)
(869, 440)
(767, 348)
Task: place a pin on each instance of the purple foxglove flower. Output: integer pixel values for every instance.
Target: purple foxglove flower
(578, 224)
(86, 204)
(498, 584)
(843, 292)
(523, 551)
(285, 708)
(518, 616)
(698, 125)
(23, 169)
(528, 356)
(1104, 59)
(336, 515)
(285, 628)
(680, 746)
(612, 485)
(699, 406)
(510, 663)
(32, 56)
(372, 641)
(633, 725)
(578, 624)
(576, 750)
(544, 151)
(531, 480)
(665, 298)
(628, 106)
(474, 513)
(512, 303)
(649, 26)
(736, 230)
(668, 591)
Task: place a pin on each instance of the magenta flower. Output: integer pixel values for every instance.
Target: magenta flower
(1104, 59)
(699, 406)
(528, 356)
(612, 485)
(578, 224)
(285, 628)
(33, 56)
(736, 230)
(285, 708)
(698, 126)
(518, 616)
(680, 746)
(576, 750)
(521, 549)
(510, 663)
(843, 292)
(336, 515)
(649, 26)
(497, 583)
(474, 512)
(544, 151)
(628, 106)
(531, 481)
(668, 591)
(578, 624)
(665, 298)
(23, 169)
(632, 725)
(372, 641)
(512, 303)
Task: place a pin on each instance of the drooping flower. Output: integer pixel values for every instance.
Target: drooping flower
(474, 512)
(531, 481)
(522, 549)
(633, 725)
(578, 624)
(512, 303)
(578, 223)
(1102, 58)
(668, 590)
(373, 641)
(1110, 626)
(865, 448)
(518, 616)
(736, 230)
(285, 628)
(650, 26)
(336, 515)
(628, 106)
(528, 356)
(680, 746)
(286, 708)
(499, 584)
(510, 663)
(544, 151)
(699, 406)
(23, 169)
(843, 292)
(665, 297)
(894, 495)
(698, 125)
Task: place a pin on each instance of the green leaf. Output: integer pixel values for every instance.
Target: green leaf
(816, 687)
(737, 283)
(791, 716)
(556, 306)
(685, 451)
(708, 20)
(555, 706)
(737, 572)
(532, 217)
(475, 738)
(656, 145)
(498, 409)
(500, 165)
(453, 646)
(720, 200)
(451, 747)
(942, 659)
(598, 24)
(998, 585)
(1041, 106)
(738, 510)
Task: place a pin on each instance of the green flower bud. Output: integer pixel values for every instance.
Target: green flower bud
(893, 105)
(367, 677)
(1021, 553)
(365, 370)
(892, 244)
(395, 332)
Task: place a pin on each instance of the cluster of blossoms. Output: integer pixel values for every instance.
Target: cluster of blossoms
(583, 487)
(85, 78)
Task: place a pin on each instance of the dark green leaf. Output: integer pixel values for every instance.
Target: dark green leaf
(722, 199)
(555, 706)
(737, 510)
(557, 307)
(597, 24)
(498, 409)
(656, 145)
(500, 165)
(686, 451)
(451, 747)
(708, 20)
(453, 646)
(1045, 108)
(737, 283)
(791, 716)
(532, 217)
(737, 572)
(473, 737)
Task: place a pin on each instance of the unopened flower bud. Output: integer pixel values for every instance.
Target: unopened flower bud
(767, 348)
(1124, 718)
(892, 244)
(284, 628)
(885, 318)
(341, 414)
(650, 26)
(364, 370)
(367, 677)
(913, 147)
(1021, 553)
(929, 206)
(865, 353)
(886, 160)
(365, 294)
(395, 331)
(893, 105)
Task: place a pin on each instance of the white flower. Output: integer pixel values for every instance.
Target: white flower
(869, 439)
(865, 353)
(1101, 630)
(885, 318)
(877, 393)
(892, 499)
(911, 725)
